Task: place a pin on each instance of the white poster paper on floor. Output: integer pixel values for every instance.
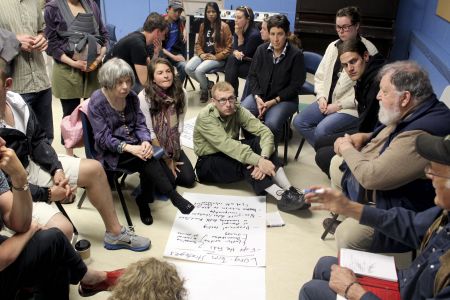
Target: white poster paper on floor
(207, 281)
(227, 230)
(187, 136)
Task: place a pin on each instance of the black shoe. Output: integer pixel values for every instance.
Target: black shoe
(183, 205)
(332, 224)
(300, 194)
(144, 212)
(204, 96)
(291, 200)
(210, 84)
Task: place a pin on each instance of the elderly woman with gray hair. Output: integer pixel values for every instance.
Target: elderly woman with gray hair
(123, 140)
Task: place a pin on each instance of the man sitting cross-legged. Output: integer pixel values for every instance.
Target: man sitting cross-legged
(47, 171)
(223, 158)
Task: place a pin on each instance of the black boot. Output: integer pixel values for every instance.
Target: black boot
(144, 211)
(182, 204)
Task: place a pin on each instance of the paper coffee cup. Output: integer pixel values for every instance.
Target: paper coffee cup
(83, 247)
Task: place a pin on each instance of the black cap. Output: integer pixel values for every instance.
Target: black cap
(434, 148)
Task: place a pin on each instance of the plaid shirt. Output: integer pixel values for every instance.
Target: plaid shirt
(276, 60)
(25, 17)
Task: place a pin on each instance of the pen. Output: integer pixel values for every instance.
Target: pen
(318, 191)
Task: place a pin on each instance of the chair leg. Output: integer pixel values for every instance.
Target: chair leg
(188, 79)
(80, 202)
(302, 141)
(327, 230)
(63, 211)
(286, 142)
(217, 76)
(122, 201)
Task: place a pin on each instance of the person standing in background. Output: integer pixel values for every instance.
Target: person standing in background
(25, 20)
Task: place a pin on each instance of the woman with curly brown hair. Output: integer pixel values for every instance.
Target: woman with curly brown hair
(149, 279)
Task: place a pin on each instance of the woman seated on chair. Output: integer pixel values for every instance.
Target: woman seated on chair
(335, 109)
(276, 76)
(164, 103)
(213, 46)
(123, 140)
(246, 39)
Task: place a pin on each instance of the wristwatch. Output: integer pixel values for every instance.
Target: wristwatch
(25, 187)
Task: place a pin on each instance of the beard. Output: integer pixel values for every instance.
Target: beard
(388, 117)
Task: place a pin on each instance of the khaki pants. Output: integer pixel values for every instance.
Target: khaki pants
(352, 235)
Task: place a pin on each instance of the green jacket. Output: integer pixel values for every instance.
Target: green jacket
(213, 134)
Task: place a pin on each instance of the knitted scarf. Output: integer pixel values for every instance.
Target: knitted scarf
(165, 124)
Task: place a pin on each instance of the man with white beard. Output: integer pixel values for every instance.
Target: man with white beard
(383, 168)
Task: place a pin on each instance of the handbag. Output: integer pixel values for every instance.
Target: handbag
(72, 128)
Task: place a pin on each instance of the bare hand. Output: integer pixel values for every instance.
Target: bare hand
(157, 46)
(40, 43)
(331, 200)
(359, 139)
(178, 58)
(58, 193)
(238, 55)
(343, 143)
(256, 174)
(10, 164)
(136, 150)
(261, 106)
(331, 109)
(209, 56)
(266, 166)
(62, 181)
(147, 150)
(322, 104)
(26, 42)
(79, 64)
(340, 279)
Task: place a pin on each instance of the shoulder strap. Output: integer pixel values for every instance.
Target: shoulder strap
(65, 12)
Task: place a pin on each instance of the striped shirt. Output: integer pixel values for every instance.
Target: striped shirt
(25, 17)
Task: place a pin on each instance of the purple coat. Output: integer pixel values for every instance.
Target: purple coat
(55, 22)
(110, 130)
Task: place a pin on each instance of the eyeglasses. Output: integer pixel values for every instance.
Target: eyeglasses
(223, 101)
(246, 9)
(430, 174)
(344, 28)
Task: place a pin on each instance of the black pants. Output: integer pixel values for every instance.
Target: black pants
(186, 176)
(68, 106)
(151, 173)
(325, 150)
(220, 168)
(48, 263)
(234, 69)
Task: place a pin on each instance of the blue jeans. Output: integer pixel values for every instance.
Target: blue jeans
(318, 288)
(312, 124)
(275, 117)
(197, 68)
(41, 104)
(180, 66)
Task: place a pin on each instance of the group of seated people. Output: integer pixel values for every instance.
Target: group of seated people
(375, 128)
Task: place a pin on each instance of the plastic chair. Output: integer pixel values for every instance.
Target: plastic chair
(112, 34)
(114, 175)
(312, 61)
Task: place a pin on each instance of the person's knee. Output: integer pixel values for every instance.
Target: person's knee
(91, 171)
(335, 172)
(51, 236)
(62, 223)
(322, 269)
(312, 289)
(350, 234)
